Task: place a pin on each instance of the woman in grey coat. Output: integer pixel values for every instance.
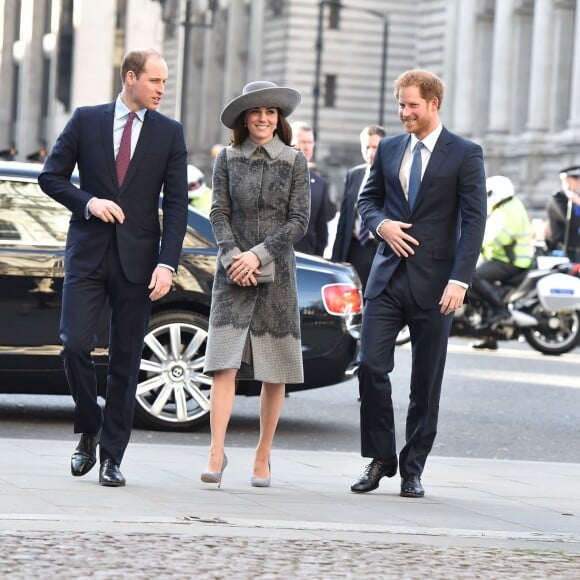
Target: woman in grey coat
(260, 209)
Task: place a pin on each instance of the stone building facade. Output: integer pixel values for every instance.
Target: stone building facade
(511, 68)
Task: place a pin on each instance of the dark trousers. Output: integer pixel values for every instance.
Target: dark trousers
(361, 258)
(383, 318)
(486, 274)
(83, 302)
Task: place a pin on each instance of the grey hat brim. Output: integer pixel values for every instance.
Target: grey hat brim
(283, 98)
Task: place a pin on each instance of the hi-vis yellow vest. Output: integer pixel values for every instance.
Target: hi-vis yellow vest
(508, 234)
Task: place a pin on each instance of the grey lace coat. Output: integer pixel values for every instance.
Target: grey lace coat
(261, 202)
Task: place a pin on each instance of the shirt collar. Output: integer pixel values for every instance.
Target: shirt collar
(429, 141)
(273, 148)
(121, 110)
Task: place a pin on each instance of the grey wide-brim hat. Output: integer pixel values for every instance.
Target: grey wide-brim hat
(261, 94)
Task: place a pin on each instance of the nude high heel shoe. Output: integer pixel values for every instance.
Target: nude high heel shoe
(262, 481)
(215, 476)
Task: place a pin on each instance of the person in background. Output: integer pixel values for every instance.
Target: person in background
(38, 156)
(316, 238)
(354, 243)
(9, 154)
(425, 199)
(260, 209)
(507, 250)
(116, 250)
(198, 192)
(563, 234)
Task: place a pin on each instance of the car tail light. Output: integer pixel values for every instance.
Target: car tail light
(342, 299)
(574, 270)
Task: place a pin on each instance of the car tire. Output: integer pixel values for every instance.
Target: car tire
(172, 391)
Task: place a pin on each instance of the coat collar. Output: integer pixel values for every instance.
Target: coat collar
(273, 148)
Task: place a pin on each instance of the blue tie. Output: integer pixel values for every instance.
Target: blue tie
(415, 174)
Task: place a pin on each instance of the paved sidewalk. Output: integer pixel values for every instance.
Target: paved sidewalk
(479, 518)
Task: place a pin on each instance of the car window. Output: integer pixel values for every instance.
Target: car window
(29, 216)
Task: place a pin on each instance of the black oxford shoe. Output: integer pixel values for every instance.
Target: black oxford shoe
(488, 343)
(374, 471)
(85, 455)
(110, 475)
(411, 486)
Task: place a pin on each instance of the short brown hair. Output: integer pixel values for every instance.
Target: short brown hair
(371, 130)
(430, 85)
(136, 60)
(240, 131)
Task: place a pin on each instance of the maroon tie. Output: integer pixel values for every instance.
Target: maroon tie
(124, 155)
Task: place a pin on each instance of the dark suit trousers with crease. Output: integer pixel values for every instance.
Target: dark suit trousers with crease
(383, 318)
(84, 299)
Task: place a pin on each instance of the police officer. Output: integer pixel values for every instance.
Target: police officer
(507, 249)
(198, 192)
(563, 236)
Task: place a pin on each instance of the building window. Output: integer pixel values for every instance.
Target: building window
(334, 17)
(330, 91)
(65, 54)
(276, 8)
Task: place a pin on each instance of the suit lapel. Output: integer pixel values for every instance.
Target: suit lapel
(437, 158)
(397, 161)
(107, 140)
(145, 138)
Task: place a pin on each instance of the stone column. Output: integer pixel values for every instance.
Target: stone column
(29, 55)
(541, 67)
(94, 44)
(501, 90)
(574, 119)
(465, 63)
(256, 40)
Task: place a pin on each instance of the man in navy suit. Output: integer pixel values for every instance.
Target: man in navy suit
(316, 237)
(426, 200)
(354, 243)
(115, 250)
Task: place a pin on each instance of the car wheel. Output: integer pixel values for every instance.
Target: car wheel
(172, 391)
(556, 332)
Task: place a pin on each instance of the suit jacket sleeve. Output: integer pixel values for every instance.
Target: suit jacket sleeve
(175, 200)
(473, 213)
(372, 200)
(54, 178)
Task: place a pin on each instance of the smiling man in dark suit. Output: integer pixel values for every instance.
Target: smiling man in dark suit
(426, 199)
(126, 153)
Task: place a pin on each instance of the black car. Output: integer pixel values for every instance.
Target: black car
(173, 392)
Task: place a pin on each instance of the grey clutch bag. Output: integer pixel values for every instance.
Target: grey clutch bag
(267, 275)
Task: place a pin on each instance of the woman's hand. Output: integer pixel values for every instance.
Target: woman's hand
(244, 269)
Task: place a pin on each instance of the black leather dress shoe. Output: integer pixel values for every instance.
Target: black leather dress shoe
(85, 455)
(411, 486)
(110, 475)
(488, 343)
(374, 471)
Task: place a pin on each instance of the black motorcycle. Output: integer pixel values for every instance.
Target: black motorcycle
(545, 309)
